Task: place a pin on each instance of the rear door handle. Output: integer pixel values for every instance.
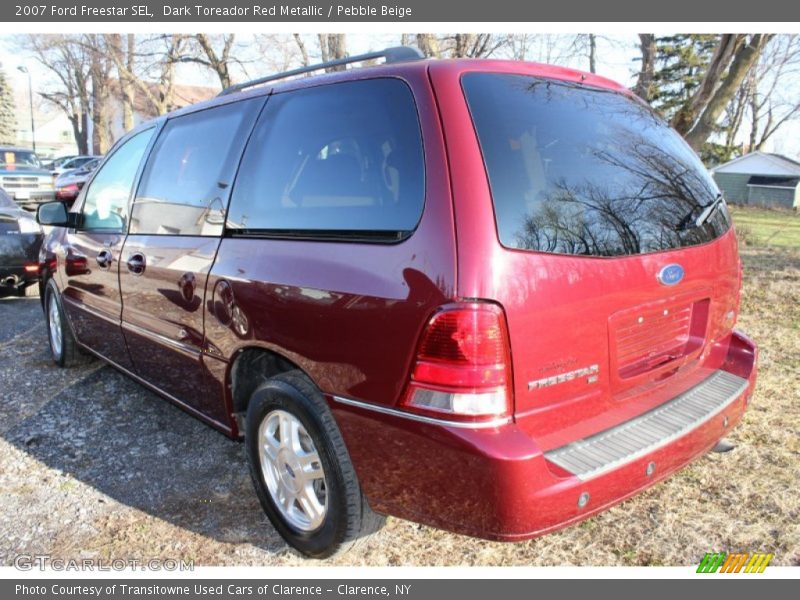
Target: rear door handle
(105, 258)
(136, 263)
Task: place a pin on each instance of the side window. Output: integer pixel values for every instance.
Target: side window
(345, 157)
(106, 203)
(185, 185)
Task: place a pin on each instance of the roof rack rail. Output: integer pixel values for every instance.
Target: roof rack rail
(391, 55)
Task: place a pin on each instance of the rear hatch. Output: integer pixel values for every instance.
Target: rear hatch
(616, 265)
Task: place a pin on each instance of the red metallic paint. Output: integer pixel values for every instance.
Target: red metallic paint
(496, 483)
(350, 316)
(162, 315)
(90, 292)
(320, 304)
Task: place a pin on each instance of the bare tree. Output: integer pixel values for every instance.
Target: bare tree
(301, 46)
(476, 45)
(124, 53)
(519, 45)
(771, 105)
(742, 57)
(644, 82)
(727, 47)
(461, 45)
(585, 46)
(550, 48)
(735, 113)
(156, 78)
(279, 52)
(69, 62)
(215, 52)
(100, 66)
(333, 46)
(428, 44)
(218, 61)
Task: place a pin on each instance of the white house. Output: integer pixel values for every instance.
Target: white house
(760, 179)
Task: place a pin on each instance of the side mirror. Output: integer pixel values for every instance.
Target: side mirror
(53, 213)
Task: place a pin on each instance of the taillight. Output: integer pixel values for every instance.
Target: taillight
(68, 191)
(463, 365)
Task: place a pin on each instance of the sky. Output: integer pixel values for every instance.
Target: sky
(616, 59)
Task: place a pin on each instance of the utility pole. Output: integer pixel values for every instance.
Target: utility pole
(24, 69)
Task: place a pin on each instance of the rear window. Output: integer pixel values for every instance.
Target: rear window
(341, 160)
(577, 170)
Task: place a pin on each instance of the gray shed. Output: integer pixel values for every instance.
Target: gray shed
(760, 179)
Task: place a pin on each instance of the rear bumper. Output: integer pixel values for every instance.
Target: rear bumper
(16, 278)
(498, 484)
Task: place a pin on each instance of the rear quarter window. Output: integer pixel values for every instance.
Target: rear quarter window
(186, 182)
(338, 160)
(578, 170)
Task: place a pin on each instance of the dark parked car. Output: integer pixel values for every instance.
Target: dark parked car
(69, 184)
(492, 297)
(73, 164)
(57, 162)
(20, 241)
(23, 177)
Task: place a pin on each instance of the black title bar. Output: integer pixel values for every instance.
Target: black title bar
(442, 11)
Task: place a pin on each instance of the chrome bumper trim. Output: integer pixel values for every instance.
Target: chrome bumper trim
(385, 410)
(628, 441)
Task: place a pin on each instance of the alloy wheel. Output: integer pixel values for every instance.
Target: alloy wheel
(54, 318)
(292, 470)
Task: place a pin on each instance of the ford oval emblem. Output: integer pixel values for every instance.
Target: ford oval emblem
(670, 274)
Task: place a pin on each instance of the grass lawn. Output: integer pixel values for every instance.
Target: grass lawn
(770, 228)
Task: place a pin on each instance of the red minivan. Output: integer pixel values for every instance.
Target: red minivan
(489, 296)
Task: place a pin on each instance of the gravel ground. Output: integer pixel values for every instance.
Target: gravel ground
(94, 465)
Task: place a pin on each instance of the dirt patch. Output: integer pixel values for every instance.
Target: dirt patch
(93, 465)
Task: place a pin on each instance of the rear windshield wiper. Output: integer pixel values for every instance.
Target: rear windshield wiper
(708, 210)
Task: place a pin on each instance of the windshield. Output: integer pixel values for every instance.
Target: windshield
(576, 170)
(10, 159)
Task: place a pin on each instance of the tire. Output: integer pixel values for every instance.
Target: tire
(346, 516)
(66, 353)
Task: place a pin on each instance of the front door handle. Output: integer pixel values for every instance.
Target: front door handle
(136, 263)
(105, 258)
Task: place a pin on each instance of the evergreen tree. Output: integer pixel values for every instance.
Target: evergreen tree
(8, 119)
(681, 62)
